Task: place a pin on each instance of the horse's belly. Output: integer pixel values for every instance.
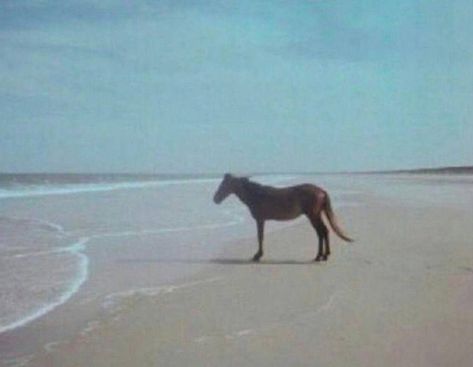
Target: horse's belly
(282, 212)
(287, 216)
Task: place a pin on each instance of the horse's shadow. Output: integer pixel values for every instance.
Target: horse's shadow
(215, 261)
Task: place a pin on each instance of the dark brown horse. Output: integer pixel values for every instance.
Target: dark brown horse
(270, 203)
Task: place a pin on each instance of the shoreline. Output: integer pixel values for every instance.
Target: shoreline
(397, 268)
(79, 249)
(35, 324)
(76, 248)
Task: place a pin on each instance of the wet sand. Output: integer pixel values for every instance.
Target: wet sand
(401, 295)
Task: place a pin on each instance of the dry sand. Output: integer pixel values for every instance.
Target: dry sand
(401, 295)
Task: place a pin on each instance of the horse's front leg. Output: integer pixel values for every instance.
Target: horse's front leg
(260, 226)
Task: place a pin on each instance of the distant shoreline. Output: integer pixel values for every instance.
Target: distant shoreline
(440, 170)
(170, 176)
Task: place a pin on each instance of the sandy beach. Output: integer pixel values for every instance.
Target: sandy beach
(125, 123)
(401, 295)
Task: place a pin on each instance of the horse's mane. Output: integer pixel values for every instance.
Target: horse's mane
(255, 189)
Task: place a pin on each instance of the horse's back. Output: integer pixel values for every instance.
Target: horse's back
(284, 203)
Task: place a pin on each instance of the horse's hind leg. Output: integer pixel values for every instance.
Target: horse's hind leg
(325, 235)
(317, 224)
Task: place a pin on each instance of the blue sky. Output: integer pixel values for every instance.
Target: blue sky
(192, 86)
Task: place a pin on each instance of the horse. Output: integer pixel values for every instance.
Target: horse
(286, 203)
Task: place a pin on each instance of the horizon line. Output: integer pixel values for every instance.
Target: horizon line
(439, 169)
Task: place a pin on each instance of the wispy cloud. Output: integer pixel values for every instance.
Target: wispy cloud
(204, 79)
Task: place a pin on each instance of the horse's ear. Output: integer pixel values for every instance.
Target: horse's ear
(227, 175)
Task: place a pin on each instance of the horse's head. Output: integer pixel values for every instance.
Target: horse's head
(227, 187)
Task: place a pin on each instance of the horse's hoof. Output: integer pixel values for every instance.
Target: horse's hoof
(317, 259)
(256, 257)
(324, 258)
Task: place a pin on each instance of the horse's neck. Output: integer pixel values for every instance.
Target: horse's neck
(242, 195)
(245, 193)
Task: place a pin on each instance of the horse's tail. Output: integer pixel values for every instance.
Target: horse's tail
(327, 209)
